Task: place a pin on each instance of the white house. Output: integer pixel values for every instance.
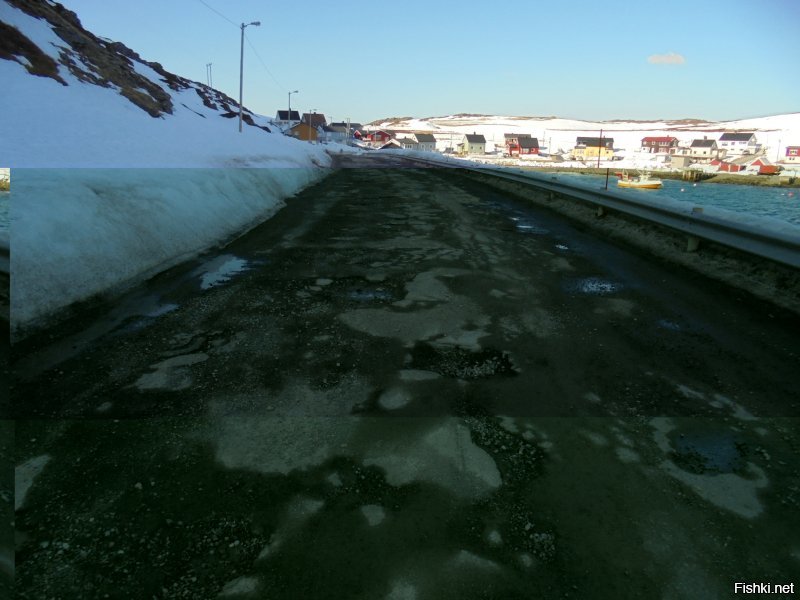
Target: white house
(425, 142)
(737, 144)
(704, 150)
(792, 155)
(408, 143)
(286, 121)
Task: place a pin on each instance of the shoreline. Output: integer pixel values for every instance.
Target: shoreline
(751, 180)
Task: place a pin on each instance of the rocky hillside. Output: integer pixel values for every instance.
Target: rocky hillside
(97, 61)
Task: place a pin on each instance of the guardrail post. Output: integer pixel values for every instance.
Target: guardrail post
(693, 242)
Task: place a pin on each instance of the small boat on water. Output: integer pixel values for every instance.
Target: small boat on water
(642, 181)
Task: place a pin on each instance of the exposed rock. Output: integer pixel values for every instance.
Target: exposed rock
(104, 63)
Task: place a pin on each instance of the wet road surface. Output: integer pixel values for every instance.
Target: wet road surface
(408, 385)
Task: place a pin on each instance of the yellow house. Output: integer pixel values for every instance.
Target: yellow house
(588, 148)
(473, 143)
(304, 131)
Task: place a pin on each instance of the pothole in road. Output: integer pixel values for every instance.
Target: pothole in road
(593, 286)
(362, 291)
(668, 325)
(460, 363)
(370, 295)
(705, 452)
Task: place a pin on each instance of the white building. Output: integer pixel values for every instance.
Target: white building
(286, 121)
(425, 142)
(737, 144)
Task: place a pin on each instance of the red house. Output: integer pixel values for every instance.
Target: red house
(765, 167)
(528, 145)
(378, 138)
(659, 144)
(512, 142)
(727, 167)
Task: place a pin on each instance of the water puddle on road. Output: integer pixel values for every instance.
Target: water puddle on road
(220, 270)
(702, 452)
(147, 318)
(528, 226)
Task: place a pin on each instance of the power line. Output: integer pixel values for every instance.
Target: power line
(263, 64)
(211, 8)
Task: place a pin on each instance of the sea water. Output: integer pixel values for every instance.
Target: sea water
(773, 203)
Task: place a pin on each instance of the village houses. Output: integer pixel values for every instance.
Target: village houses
(704, 150)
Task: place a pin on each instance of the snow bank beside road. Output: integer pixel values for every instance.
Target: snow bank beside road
(80, 232)
(108, 191)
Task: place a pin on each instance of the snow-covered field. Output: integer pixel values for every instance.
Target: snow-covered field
(92, 205)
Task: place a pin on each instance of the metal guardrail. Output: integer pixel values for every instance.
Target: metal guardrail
(5, 254)
(697, 226)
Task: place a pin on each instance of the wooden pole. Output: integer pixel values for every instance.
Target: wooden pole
(599, 148)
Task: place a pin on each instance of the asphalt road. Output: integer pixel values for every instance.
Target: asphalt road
(408, 385)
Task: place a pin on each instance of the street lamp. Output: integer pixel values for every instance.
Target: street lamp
(241, 70)
(289, 116)
(311, 111)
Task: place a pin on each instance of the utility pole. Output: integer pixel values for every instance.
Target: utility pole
(289, 116)
(209, 80)
(311, 111)
(599, 148)
(241, 71)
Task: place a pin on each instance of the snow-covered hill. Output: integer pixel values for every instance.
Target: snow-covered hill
(559, 134)
(71, 99)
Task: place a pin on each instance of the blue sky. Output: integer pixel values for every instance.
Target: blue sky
(604, 59)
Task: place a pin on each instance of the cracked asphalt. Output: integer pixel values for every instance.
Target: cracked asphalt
(409, 385)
